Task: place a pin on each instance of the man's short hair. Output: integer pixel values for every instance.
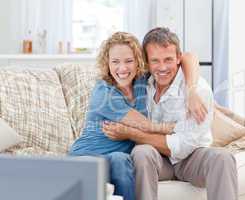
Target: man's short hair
(161, 36)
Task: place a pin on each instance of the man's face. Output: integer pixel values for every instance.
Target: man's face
(163, 63)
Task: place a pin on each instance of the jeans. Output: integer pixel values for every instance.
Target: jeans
(122, 174)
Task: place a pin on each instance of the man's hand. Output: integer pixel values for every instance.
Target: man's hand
(116, 131)
(195, 106)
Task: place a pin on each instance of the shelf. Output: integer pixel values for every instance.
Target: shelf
(48, 56)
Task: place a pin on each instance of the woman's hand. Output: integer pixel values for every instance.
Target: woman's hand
(195, 106)
(116, 131)
(119, 132)
(166, 128)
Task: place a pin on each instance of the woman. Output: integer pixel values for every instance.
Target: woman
(119, 97)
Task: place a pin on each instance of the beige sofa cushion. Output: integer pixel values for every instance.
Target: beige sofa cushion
(8, 136)
(177, 190)
(240, 158)
(32, 102)
(229, 113)
(77, 82)
(237, 145)
(225, 130)
(33, 151)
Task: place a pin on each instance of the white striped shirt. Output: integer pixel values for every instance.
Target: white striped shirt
(187, 134)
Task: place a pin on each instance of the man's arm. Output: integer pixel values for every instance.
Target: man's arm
(156, 140)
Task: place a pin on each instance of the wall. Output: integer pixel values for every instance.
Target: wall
(4, 27)
(10, 19)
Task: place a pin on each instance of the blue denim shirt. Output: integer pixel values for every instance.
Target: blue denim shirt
(107, 103)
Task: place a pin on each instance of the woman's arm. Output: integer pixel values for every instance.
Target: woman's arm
(110, 104)
(136, 120)
(138, 136)
(191, 70)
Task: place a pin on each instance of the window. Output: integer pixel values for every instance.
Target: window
(93, 21)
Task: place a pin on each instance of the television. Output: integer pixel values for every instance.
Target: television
(53, 178)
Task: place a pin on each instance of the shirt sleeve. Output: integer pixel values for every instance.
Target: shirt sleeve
(188, 135)
(108, 102)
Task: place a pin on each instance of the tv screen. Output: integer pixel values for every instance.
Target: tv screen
(53, 178)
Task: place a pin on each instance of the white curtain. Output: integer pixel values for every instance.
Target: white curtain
(139, 17)
(236, 56)
(37, 16)
(221, 71)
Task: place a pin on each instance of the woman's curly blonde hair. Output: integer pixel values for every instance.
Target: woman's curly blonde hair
(124, 39)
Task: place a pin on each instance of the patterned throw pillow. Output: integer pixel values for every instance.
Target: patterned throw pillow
(237, 145)
(8, 136)
(225, 130)
(32, 102)
(77, 81)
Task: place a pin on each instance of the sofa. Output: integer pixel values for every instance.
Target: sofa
(47, 108)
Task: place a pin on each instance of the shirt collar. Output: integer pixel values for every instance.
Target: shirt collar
(173, 90)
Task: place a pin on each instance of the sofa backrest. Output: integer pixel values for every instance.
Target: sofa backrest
(77, 82)
(32, 102)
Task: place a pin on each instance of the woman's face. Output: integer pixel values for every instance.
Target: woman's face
(122, 64)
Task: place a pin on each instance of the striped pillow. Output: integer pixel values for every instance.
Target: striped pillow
(32, 102)
(77, 81)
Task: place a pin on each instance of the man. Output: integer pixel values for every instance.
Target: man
(184, 154)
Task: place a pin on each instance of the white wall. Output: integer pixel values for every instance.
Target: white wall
(5, 27)
(9, 21)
